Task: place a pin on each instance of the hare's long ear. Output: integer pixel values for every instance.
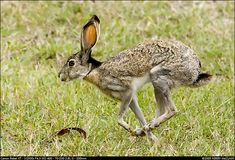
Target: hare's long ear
(89, 37)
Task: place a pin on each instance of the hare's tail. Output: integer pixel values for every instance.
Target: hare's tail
(202, 79)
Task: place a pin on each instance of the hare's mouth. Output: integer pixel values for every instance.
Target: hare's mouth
(63, 77)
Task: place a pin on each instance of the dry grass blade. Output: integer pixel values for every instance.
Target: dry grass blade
(67, 130)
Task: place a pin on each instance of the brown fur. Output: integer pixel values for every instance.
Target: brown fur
(164, 63)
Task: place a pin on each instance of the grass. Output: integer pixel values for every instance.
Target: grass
(36, 37)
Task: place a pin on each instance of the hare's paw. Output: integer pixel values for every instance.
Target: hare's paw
(155, 123)
(152, 138)
(138, 132)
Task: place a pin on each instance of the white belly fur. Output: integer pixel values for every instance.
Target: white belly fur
(140, 81)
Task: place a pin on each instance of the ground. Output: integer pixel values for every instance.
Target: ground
(36, 37)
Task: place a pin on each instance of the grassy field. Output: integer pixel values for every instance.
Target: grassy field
(36, 37)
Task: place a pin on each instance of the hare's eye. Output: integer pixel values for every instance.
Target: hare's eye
(71, 62)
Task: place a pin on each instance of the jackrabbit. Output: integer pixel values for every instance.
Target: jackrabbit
(164, 63)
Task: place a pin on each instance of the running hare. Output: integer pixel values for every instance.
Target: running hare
(166, 64)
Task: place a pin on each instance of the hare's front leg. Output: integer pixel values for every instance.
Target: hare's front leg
(130, 100)
(139, 115)
(125, 101)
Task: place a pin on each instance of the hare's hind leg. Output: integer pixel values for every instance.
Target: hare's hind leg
(166, 108)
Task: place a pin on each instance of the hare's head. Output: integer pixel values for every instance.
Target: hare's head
(77, 65)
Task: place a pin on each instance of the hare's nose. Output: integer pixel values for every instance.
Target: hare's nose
(59, 74)
(62, 76)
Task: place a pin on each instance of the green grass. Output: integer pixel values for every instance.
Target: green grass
(37, 36)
